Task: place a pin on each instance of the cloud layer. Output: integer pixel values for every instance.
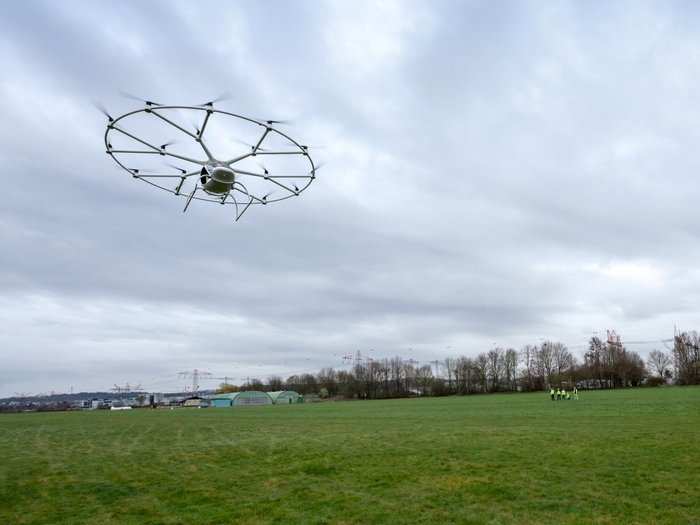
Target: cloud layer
(493, 176)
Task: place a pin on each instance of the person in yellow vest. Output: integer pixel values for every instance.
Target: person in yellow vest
(575, 393)
(568, 396)
(563, 394)
(558, 394)
(552, 393)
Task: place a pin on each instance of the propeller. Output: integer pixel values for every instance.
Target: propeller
(163, 146)
(136, 171)
(306, 148)
(251, 146)
(264, 199)
(195, 127)
(262, 167)
(271, 122)
(134, 97)
(142, 170)
(178, 168)
(102, 110)
(226, 95)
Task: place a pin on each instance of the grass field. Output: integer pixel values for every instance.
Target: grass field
(613, 457)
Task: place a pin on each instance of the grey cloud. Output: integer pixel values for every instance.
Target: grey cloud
(494, 175)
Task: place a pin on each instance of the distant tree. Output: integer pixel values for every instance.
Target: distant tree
(635, 371)
(409, 376)
(292, 383)
(424, 378)
(253, 383)
(545, 363)
(510, 368)
(225, 388)
(275, 383)
(481, 366)
(686, 358)
(528, 359)
(659, 363)
(563, 362)
(385, 377)
(308, 384)
(464, 374)
(495, 368)
(327, 378)
(450, 366)
(397, 374)
(593, 360)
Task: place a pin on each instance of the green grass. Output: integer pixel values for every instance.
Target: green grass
(613, 457)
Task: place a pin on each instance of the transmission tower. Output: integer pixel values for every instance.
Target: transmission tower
(436, 362)
(196, 376)
(126, 388)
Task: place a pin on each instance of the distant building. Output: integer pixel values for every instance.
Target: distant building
(285, 397)
(250, 397)
(195, 401)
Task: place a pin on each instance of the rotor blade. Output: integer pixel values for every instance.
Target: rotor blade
(264, 199)
(194, 126)
(318, 167)
(134, 97)
(251, 146)
(226, 95)
(170, 143)
(262, 167)
(102, 110)
(176, 167)
(272, 122)
(141, 170)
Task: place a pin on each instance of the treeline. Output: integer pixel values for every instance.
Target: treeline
(605, 364)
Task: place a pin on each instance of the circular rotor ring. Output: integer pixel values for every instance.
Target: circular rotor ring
(245, 198)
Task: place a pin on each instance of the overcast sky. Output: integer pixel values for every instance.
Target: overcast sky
(496, 173)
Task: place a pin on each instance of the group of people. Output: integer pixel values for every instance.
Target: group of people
(561, 393)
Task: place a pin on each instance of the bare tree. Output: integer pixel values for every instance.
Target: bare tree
(686, 358)
(253, 383)
(275, 383)
(593, 359)
(450, 365)
(495, 368)
(464, 370)
(545, 363)
(481, 365)
(510, 367)
(424, 378)
(327, 378)
(659, 362)
(528, 358)
(562, 359)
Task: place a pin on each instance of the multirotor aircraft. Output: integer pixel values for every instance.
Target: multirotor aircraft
(222, 177)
